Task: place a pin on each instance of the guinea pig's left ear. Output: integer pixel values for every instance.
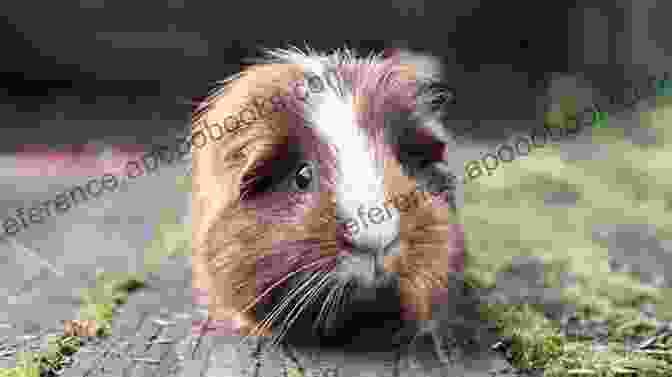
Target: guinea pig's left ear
(428, 72)
(437, 94)
(425, 66)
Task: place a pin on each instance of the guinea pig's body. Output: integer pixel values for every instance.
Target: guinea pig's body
(322, 187)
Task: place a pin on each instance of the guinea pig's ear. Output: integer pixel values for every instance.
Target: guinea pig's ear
(434, 91)
(425, 66)
(437, 95)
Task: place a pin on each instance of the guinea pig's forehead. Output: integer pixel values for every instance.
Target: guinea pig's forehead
(352, 104)
(349, 110)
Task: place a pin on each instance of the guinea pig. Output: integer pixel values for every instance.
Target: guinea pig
(322, 195)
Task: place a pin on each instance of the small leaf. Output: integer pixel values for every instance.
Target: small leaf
(294, 372)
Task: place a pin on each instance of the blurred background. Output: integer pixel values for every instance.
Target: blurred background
(126, 63)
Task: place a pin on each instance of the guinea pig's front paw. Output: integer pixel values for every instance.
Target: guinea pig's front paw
(435, 333)
(411, 338)
(431, 328)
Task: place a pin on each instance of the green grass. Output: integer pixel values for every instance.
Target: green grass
(110, 291)
(26, 367)
(505, 216)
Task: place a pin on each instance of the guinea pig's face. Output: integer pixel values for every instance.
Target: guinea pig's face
(321, 189)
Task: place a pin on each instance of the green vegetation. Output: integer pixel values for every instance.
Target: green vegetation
(600, 119)
(171, 238)
(505, 216)
(110, 291)
(26, 367)
(664, 87)
(294, 372)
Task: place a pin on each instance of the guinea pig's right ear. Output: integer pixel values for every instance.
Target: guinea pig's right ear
(434, 90)
(425, 66)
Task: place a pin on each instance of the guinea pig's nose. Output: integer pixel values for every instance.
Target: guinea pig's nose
(374, 243)
(371, 234)
(374, 255)
(381, 249)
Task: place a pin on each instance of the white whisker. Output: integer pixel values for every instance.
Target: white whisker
(284, 279)
(310, 297)
(268, 320)
(326, 306)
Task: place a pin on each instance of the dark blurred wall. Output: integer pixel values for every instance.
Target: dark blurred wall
(176, 48)
(181, 43)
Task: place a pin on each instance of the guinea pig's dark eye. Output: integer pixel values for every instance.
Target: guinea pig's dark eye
(303, 177)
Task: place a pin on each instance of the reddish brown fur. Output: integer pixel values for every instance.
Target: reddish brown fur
(228, 240)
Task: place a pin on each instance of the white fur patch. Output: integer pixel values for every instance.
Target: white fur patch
(360, 179)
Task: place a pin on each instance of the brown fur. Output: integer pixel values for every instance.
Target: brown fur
(228, 241)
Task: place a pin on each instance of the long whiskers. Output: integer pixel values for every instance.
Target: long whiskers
(335, 305)
(326, 306)
(287, 300)
(268, 320)
(271, 317)
(321, 261)
(309, 298)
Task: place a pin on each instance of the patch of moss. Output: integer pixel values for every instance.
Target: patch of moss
(533, 341)
(111, 290)
(582, 358)
(506, 216)
(31, 364)
(169, 238)
(27, 366)
(294, 372)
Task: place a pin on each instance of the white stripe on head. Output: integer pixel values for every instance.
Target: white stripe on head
(332, 113)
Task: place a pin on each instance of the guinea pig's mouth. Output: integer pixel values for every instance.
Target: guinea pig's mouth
(355, 294)
(341, 311)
